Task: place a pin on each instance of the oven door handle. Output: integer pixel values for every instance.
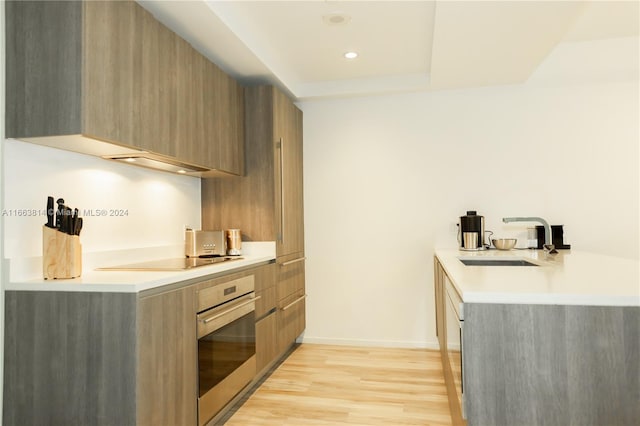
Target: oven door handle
(228, 311)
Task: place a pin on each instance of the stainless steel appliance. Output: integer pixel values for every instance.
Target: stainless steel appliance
(455, 328)
(226, 344)
(234, 242)
(204, 243)
(471, 232)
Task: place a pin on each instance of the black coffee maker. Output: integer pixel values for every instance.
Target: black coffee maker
(471, 232)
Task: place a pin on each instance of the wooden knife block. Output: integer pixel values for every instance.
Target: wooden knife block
(61, 254)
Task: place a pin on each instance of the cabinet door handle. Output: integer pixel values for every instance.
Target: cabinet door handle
(291, 262)
(299, 299)
(281, 146)
(221, 314)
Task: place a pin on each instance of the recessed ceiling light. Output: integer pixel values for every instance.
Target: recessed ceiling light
(351, 55)
(336, 19)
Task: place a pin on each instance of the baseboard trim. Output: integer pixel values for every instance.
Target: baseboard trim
(370, 343)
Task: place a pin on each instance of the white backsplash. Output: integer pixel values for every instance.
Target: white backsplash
(123, 207)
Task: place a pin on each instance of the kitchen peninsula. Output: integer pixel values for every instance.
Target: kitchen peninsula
(555, 342)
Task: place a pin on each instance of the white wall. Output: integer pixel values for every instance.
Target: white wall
(386, 179)
(124, 207)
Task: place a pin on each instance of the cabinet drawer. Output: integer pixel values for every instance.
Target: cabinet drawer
(225, 290)
(291, 319)
(290, 278)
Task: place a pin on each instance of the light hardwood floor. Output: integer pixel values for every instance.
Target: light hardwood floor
(334, 385)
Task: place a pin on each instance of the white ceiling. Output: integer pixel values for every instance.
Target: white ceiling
(402, 45)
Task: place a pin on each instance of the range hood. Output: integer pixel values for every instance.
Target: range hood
(152, 161)
(112, 151)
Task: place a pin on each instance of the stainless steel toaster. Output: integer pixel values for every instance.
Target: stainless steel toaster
(204, 243)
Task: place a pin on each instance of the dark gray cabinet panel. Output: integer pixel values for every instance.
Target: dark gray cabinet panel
(67, 359)
(551, 365)
(43, 64)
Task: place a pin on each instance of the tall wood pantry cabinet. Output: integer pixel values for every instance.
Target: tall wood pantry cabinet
(267, 203)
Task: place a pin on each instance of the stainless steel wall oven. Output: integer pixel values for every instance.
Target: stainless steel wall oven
(226, 344)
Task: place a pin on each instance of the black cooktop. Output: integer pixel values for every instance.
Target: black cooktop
(173, 264)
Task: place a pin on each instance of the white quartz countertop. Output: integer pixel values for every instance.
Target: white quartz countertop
(93, 280)
(566, 278)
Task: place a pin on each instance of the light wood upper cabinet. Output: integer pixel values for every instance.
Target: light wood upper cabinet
(267, 203)
(110, 110)
(156, 87)
(189, 143)
(109, 71)
(223, 119)
(229, 121)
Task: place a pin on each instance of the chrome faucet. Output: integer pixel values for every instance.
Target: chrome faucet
(548, 247)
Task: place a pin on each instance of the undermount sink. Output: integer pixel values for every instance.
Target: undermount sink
(496, 262)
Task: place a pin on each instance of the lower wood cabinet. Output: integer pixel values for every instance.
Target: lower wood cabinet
(551, 364)
(69, 358)
(266, 324)
(266, 342)
(455, 405)
(291, 320)
(438, 279)
(534, 364)
(166, 361)
(291, 302)
(123, 358)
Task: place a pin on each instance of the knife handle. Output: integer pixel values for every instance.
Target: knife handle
(68, 220)
(74, 221)
(78, 226)
(50, 213)
(59, 213)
